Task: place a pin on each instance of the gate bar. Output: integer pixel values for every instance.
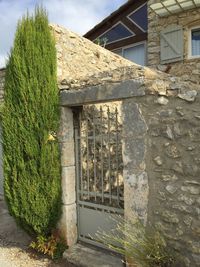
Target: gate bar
(87, 149)
(117, 159)
(102, 182)
(94, 163)
(109, 168)
(81, 170)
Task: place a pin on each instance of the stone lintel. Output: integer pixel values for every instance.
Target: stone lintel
(102, 93)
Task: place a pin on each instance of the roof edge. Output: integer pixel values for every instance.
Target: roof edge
(112, 15)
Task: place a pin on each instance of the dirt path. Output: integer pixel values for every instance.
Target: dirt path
(14, 251)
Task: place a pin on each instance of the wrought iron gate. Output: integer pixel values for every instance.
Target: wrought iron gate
(98, 170)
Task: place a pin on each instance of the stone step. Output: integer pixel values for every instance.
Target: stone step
(82, 255)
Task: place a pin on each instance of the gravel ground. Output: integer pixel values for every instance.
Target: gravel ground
(11, 255)
(14, 246)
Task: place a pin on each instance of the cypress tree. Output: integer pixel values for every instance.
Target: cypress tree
(31, 115)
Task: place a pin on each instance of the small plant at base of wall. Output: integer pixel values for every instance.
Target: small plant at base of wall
(140, 247)
(53, 245)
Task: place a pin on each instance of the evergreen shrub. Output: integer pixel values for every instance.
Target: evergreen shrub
(31, 114)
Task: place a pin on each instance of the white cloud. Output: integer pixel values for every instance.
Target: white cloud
(77, 15)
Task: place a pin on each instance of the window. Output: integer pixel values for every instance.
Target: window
(195, 42)
(139, 17)
(116, 33)
(135, 53)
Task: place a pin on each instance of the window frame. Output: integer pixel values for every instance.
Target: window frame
(133, 45)
(119, 22)
(190, 56)
(134, 11)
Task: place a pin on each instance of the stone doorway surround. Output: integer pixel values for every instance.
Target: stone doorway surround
(132, 130)
(136, 187)
(136, 95)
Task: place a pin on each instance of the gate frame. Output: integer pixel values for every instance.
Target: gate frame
(136, 189)
(107, 215)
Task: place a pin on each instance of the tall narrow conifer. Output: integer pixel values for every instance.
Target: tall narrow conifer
(31, 114)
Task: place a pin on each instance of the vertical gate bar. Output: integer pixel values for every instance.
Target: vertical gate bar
(77, 130)
(95, 170)
(77, 159)
(102, 181)
(117, 160)
(81, 167)
(87, 151)
(109, 169)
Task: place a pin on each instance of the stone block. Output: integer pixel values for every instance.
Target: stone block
(187, 200)
(136, 194)
(170, 217)
(188, 95)
(66, 129)
(158, 160)
(68, 224)
(171, 188)
(168, 177)
(67, 153)
(133, 151)
(134, 124)
(68, 185)
(191, 189)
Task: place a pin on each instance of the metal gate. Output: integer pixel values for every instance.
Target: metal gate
(98, 170)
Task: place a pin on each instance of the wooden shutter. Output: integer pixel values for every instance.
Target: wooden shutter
(171, 44)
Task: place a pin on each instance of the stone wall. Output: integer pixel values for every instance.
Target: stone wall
(173, 168)
(80, 61)
(188, 69)
(161, 133)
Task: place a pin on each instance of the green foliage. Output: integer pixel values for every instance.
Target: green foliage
(53, 246)
(101, 41)
(140, 247)
(31, 114)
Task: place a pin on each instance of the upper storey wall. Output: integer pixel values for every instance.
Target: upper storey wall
(188, 67)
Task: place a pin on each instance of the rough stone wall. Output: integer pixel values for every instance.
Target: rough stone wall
(173, 167)
(188, 69)
(81, 61)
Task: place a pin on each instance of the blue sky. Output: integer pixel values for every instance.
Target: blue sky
(77, 15)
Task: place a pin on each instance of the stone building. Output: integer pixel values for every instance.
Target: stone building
(174, 37)
(129, 138)
(158, 142)
(124, 31)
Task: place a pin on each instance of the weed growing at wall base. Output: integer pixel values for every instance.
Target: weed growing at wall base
(140, 247)
(31, 113)
(53, 246)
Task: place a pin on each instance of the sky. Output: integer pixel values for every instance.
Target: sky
(76, 15)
